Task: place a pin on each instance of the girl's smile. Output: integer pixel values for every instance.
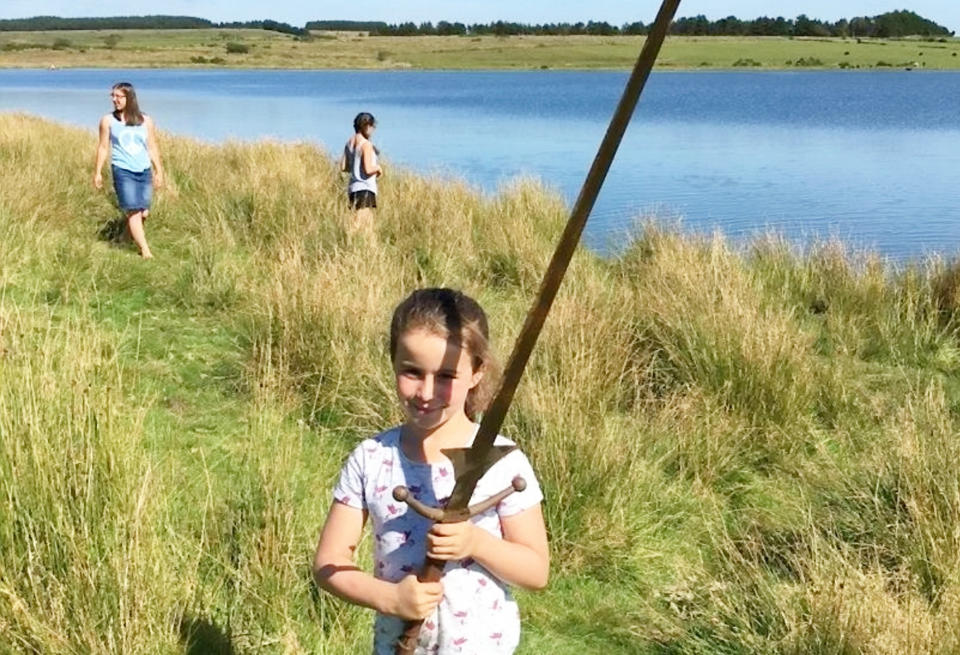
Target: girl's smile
(433, 377)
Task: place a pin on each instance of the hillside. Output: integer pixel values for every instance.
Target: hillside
(743, 449)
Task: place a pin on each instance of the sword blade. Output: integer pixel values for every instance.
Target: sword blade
(496, 413)
(493, 418)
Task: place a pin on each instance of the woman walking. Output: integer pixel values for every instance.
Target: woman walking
(361, 162)
(129, 136)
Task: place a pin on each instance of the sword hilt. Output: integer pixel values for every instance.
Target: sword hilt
(447, 515)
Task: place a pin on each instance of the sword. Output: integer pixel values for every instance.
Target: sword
(471, 463)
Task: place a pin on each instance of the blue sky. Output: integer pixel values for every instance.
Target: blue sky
(945, 12)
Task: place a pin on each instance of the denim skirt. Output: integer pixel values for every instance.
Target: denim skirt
(134, 189)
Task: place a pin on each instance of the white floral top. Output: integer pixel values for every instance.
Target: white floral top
(477, 615)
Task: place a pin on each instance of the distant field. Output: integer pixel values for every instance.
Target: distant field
(262, 49)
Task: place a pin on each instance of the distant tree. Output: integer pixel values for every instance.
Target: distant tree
(695, 26)
(602, 28)
(804, 26)
(449, 29)
(634, 28)
(840, 28)
(731, 26)
(346, 25)
(862, 26)
(235, 48)
(269, 25)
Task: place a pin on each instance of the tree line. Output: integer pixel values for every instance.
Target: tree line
(890, 24)
(53, 23)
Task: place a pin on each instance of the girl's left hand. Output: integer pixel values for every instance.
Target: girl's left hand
(447, 541)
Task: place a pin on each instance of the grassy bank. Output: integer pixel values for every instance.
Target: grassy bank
(744, 450)
(263, 49)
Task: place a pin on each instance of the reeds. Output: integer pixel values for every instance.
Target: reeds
(743, 449)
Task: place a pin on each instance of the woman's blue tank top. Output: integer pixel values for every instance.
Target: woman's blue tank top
(128, 146)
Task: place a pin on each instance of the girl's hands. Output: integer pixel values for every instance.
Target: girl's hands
(98, 180)
(447, 541)
(414, 599)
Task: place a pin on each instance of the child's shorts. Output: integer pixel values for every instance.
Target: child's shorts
(362, 199)
(134, 189)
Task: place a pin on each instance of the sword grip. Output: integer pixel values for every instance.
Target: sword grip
(407, 643)
(433, 568)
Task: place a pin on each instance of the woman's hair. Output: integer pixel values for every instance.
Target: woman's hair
(362, 120)
(132, 111)
(455, 316)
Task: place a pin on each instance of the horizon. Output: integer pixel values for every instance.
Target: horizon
(299, 12)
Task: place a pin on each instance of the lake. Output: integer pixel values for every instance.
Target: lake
(872, 158)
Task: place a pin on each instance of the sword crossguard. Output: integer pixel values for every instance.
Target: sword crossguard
(444, 515)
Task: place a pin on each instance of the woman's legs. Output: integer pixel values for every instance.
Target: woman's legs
(135, 227)
(363, 221)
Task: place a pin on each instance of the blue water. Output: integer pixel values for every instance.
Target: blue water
(870, 157)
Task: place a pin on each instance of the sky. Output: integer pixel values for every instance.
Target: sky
(297, 12)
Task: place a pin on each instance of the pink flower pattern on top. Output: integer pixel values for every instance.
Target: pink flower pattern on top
(478, 615)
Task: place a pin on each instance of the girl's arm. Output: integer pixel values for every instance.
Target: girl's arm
(334, 570)
(520, 558)
(154, 150)
(103, 149)
(368, 155)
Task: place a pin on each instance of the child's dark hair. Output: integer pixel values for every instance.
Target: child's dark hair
(131, 111)
(363, 120)
(456, 316)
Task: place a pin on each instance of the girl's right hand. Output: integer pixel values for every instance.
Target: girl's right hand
(98, 180)
(414, 599)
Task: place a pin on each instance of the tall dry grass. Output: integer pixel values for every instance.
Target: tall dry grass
(743, 448)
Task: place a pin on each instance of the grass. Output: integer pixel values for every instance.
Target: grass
(342, 50)
(744, 449)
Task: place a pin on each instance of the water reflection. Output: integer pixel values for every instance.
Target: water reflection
(869, 157)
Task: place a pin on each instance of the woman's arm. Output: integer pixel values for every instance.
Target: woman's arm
(520, 558)
(368, 156)
(334, 570)
(103, 149)
(154, 150)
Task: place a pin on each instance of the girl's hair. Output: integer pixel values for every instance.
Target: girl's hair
(132, 111)
(456, 316)
(362, 120)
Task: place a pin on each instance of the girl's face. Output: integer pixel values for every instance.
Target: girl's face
(367, 131)
(119, 99)
(434, 375)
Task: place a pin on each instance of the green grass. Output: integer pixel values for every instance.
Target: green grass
(743, 449)
(343, 50)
